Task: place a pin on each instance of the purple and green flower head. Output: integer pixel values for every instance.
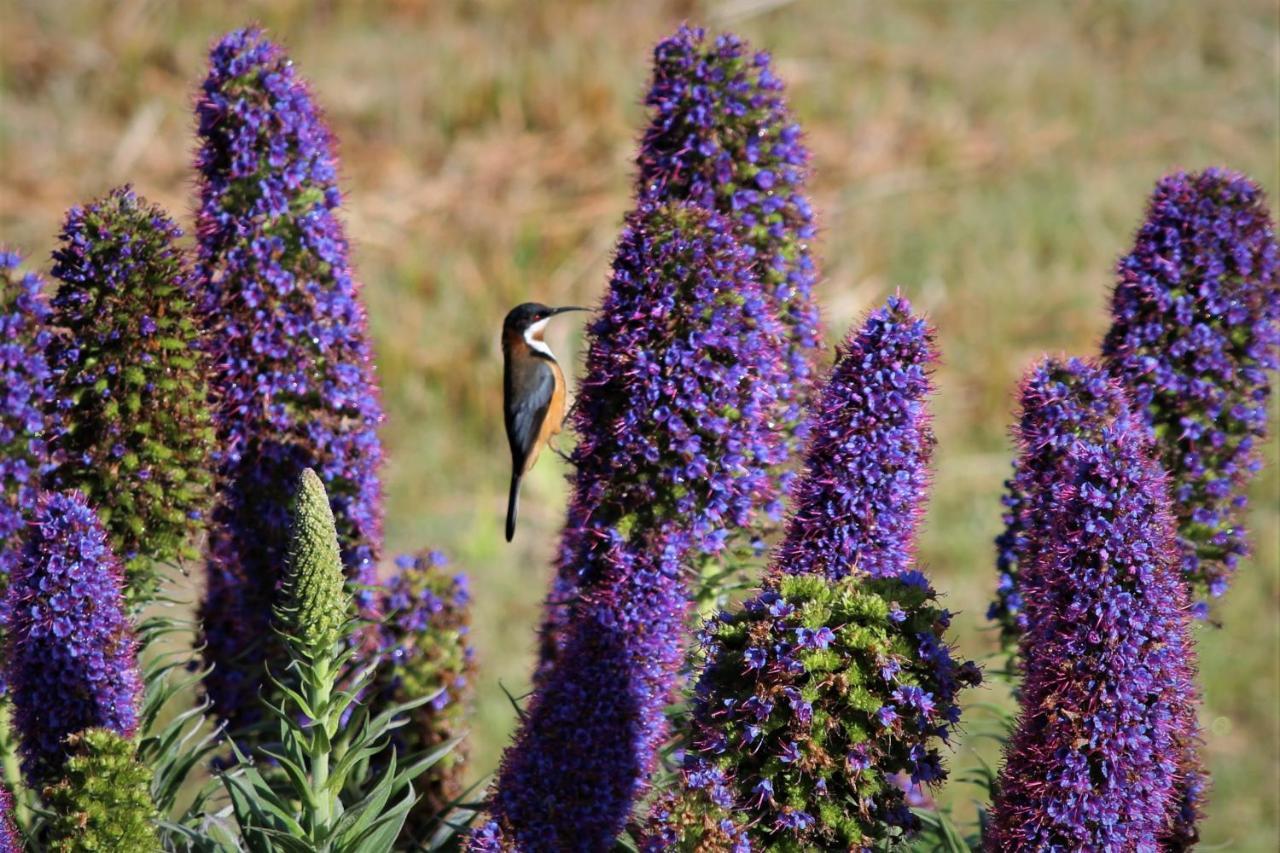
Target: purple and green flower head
(133, 425)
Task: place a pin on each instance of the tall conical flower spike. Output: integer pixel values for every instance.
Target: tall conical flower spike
(1104, 750)
(133, 430)
(720, 135)
(1195, 329)
(24, 376)
(675, 419)
(103, 801)
(71, 659)
(315, 602)
(293, 371)
(836, 677)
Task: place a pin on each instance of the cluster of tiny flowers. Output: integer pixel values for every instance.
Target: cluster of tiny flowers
(833, 684)
(676, 421)
(24, 376)
(721, 136)
(103, 800)
(867, 464)
(292, 364)
(425, 639)
(1107, 732)
(1007, 610)
(1195, 329)
(10, 841)
(133, 430)
(71, 659)
(817, 695)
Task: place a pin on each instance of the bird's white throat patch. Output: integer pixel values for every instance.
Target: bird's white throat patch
(533, 337)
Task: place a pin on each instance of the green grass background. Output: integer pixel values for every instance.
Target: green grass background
(989, 159)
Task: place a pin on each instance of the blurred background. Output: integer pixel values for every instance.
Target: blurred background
(989, 159)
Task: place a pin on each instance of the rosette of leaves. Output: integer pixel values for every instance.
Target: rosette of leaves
(292, 365)
(133, 428)
(816, 694)
(424, 637)
(324, 733)
(103, 803)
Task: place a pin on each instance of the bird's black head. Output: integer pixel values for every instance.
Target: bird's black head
(525, 315)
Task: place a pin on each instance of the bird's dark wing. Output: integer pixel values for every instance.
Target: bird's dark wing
(526, 411)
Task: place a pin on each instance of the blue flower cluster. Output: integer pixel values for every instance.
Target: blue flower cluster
(835, 679)
(676, 418)
(424, 637)
(24, 376)
(133, 431)
(71, 661)
(293, 375)
(1195, 328)
(721, 136)
(1103, 756)
(867, 464)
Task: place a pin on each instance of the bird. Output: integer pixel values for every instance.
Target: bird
(533, 391)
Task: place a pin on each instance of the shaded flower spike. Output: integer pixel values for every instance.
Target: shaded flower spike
(314, 609)
(292, 369)
(24, 376)
(1101, 755)
(1195, 329)
(675, 416)
(425, 638)
(103, 801)
(10, 841)
(133, 430)
(71, 658)
(835, 683)
(720, 135)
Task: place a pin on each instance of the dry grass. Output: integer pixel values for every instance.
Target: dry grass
(990, 159)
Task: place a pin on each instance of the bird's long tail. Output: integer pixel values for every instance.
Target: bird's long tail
(513, 503)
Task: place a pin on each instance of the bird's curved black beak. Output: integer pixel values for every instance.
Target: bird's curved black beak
(555, 311)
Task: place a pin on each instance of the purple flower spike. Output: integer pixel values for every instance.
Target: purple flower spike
(1195, 329)
(10, 841)
(675, 416)
(721, 136)
(293, 372)
(835, 679)
(867, 465)
(71, 658)
(1101, 756)
(24, 376)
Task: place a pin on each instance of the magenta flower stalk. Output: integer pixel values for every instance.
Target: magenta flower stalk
(1099, 759)
(676, 424)
(721, 136)
(71, 659)
(835, 682)
(293, 375)
(24, 376)
(1195, 329)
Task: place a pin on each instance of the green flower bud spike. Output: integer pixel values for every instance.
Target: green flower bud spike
(103, 802)
(326, 798)
(316, 606)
